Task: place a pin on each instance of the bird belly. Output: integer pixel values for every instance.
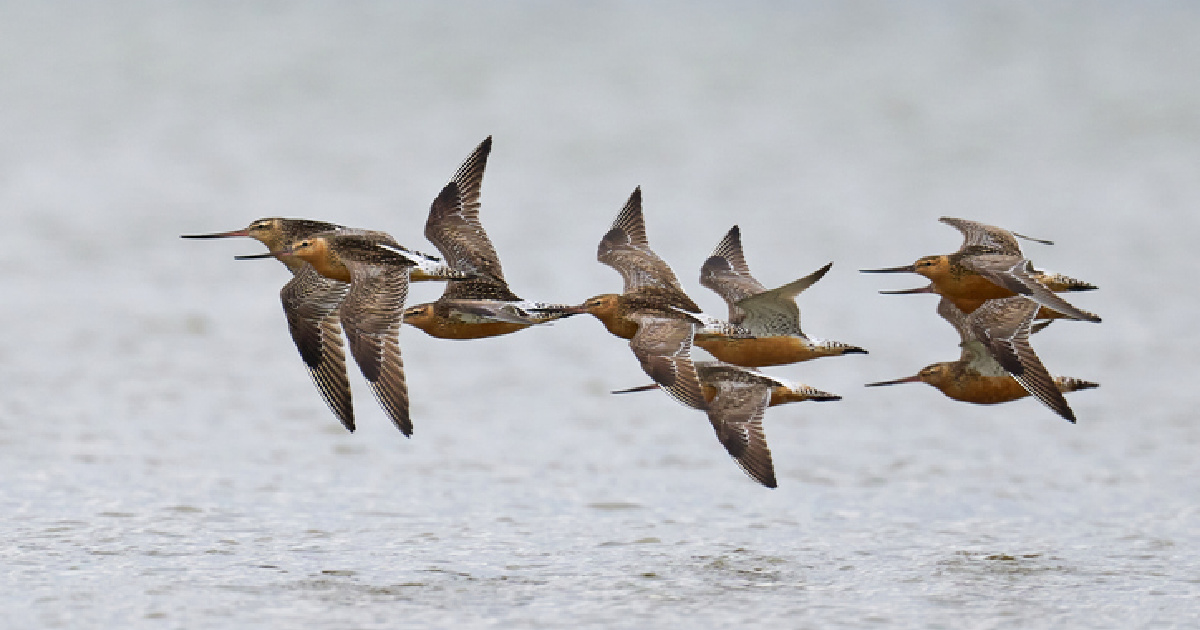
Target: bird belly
(985, 390)
(758, 351)
(453, 328)
(620, 326)
(970, 286)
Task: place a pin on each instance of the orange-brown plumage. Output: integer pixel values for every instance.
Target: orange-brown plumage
(989, 265)
(759, 351)
(310, 303)
(997, 364)
(652, 311)
(482, 305)
(764, 325)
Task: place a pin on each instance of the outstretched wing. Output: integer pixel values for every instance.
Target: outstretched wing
(984, 238)
(371, 316)
(736, 415)
(1016, 274)
(310, 303)
(726, 273)
(1003, 327)
(775, 312)
(625, 249)
(453, 225)
(663, 345)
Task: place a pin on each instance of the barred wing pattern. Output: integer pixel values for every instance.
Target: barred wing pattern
(625, 249)
(736, 414)
(1015, 274)
(1003, 326)
(663, 346)
(371, 315)
(726, 273)
(310, 302)
(453, 225)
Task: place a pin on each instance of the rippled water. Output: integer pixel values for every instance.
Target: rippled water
(167, 463)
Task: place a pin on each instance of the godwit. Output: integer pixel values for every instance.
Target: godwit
(482, 306)
(371, 309)
(997, 363)
(765, 323)
(652, 312)
(310, 303)
(988, 265)
(737, 398)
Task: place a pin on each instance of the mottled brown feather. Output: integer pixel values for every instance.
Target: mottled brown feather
(626, 249)
(726, 273)
(371, 315)
(310, 303)
(453, 225)
(982, 238)
(1016, 274)
(1003, 326)
(663, 346)
(736, 413)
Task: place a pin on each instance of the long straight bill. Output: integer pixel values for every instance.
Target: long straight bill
(904, 269)
(924, 289)
(241, 232)
(641, 388)
(907, 379)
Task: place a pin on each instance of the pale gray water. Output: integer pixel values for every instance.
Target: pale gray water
(167, 463)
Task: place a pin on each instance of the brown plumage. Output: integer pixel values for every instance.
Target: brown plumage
(311, 300)
(652, 312)
(310, 303)
(765, 324)
(997, 363)
(737, 398)
(371, 310)
(483, 305)
(989, 265)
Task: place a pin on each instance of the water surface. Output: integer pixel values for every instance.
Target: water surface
(167, 463)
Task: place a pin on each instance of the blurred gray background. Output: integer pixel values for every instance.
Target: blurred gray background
(167, 463)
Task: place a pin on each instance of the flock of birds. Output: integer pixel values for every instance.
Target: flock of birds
(356, 281)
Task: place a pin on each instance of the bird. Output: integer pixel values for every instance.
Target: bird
(1056, 282)
(988, 265)
(311, 301)
(652, 311)
(764, 324)
(997, 364)
(371, 308)
(737, 399)
(482, 305)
